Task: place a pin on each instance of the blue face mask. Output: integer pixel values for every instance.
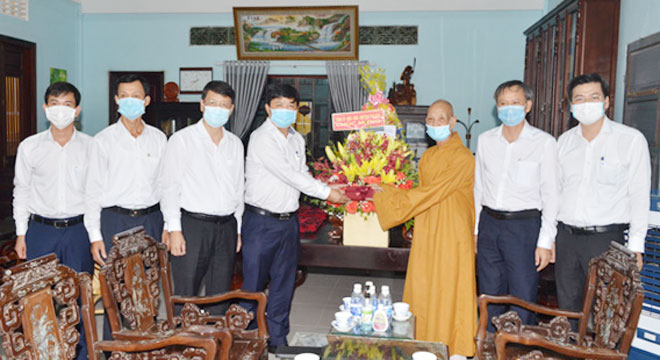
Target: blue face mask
(511, 115)
(283, 118)
(131, 108)
(216, 116)
(438, 133)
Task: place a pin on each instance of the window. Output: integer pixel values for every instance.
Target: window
(15, 8)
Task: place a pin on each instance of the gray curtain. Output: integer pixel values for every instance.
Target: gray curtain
(345, 88)
(248, 78)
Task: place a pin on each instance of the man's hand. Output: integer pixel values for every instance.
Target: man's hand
(376, 187)
(177, 243)
(20, 247)
(476, 238)
(640, 260)
(542, 258)
(165, 239)
(239, 243)
(337, 196)
(98, 252)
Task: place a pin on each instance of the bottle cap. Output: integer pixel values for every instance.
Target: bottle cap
(357, 287)
(385, 290)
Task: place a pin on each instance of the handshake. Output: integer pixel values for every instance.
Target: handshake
(338, 193)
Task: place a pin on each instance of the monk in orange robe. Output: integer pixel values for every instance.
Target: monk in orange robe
(440, 283)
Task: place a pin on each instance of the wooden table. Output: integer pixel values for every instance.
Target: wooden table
(355, 348)
(318, 251)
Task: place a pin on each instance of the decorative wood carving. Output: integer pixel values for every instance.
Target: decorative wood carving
(613, 299)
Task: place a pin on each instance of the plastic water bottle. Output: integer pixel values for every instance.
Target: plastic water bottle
(367, 312)
(385, 300)
(374, 298)
(356, 301)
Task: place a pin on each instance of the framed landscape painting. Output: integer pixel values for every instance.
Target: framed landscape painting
(297, 33)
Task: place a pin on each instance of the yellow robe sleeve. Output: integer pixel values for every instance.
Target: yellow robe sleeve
(396, 206)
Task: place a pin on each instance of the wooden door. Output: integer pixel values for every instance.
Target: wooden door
(155, 79)
(17, 109)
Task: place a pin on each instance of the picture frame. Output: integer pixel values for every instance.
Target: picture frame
(297, 33)
(193, 79)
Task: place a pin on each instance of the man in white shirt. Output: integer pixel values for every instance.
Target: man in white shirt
(605, 184)
(123, 188)
(203, 188)
(516, 195)
(276, 174)
(49, 197)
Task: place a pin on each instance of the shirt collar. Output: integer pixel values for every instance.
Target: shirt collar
(202, 133)
(124, 130)
(605, 129)
(270, 125)
(526, 133)
(49, 136)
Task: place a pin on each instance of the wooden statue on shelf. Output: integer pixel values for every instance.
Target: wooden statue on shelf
(404, 94)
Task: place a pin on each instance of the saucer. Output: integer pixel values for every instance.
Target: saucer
(402, 318)
(338, 328)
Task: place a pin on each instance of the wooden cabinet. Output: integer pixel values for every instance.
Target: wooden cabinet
(577, 37)
(174, 116)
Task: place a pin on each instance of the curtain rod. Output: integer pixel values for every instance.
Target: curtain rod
(277, 63)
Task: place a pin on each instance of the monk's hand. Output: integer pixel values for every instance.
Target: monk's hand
(177, 243)
(640, 261)
(98, 252)
(542, 257)
(337, 196)
(20, 248)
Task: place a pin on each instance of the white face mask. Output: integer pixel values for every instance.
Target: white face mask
(589, 112)
(60, 116)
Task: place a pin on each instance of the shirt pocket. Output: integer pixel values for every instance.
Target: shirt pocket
(527, 173)
(610, 174)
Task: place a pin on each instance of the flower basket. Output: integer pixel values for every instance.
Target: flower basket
(360, 230)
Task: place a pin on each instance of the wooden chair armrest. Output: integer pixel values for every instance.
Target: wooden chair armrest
(573, 351)
(207, 343)
(259, 297)
(484, 300)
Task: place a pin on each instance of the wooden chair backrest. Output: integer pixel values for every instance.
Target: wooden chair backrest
(130, 280)
(40, 311)
(613, 297)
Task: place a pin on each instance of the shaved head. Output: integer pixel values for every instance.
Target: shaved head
(444, 105)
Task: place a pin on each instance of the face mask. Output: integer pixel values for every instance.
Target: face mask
(511, 115)
(589, 112)
(216, 116)
(60, 116)
(283, 118)
(438, 133)
(131, 108)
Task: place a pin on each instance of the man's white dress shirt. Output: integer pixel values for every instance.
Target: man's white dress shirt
(50, 179)
(607, 180)
(276, 172)
(123, 171)
(202, 177)
(517, 176)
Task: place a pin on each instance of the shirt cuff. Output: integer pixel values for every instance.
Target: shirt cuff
(325, 192)
(239, 223)
(95, 235)
(21, 228)
(174, 224)
(545, 242)
(636, 244)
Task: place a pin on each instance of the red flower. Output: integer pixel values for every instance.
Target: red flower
(352, 207)
(372, 179)
(333, 204)
(408, 184)
(400, 176)
(367, 207)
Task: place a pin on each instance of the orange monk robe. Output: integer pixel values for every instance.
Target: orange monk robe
(440, 283)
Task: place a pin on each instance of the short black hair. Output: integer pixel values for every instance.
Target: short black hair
(281, 90)
(61, 88)
(529, 94)
(219, 87)
(129, 78)
(585, 79)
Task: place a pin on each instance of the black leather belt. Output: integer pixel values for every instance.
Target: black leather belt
(512, 215)
(590, 230)
(135, 212)
(264, 212)
(57, 223)
(219, 219)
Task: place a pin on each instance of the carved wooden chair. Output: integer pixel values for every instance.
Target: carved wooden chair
(613, 298)
(8, 257)
(40, 308)
(130, 280)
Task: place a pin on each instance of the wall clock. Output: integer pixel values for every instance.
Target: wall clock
(193, 80)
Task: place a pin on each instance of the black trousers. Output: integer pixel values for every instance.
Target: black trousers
(572, 264)
(210, 254)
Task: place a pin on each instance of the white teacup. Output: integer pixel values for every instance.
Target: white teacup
(400, 309)
(307, 356)
(424, 355)
(347, 303)
(343, 318)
